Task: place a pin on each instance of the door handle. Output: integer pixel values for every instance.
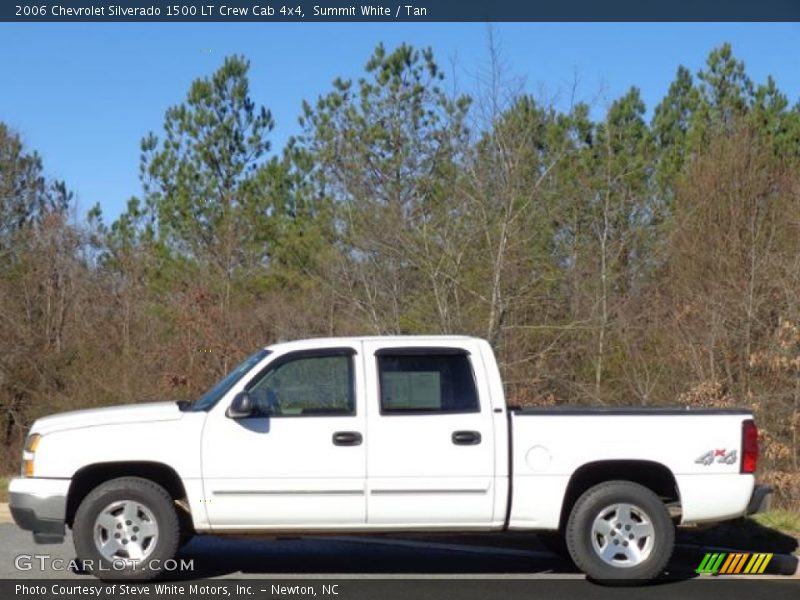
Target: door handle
(466, 438)
(347, 438)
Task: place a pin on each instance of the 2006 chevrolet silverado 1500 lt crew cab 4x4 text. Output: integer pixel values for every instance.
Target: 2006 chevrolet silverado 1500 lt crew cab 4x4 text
(380, 434)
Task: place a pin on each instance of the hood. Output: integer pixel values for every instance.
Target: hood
(112, 415)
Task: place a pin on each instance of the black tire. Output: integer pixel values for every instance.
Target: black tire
(145, 493)
(187, 528)
(620, 568)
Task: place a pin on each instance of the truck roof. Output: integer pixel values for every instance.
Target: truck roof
(310, 343)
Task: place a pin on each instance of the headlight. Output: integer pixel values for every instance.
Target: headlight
(30, 447)
(32, 442)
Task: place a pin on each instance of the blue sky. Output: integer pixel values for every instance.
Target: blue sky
(83, 95)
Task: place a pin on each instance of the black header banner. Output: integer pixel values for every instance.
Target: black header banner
(270, 11)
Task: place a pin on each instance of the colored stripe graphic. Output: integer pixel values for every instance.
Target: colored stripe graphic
(703, 564)
(740, 563)
(758, 563)
(722, 563)
(711, 562)
(726, 566)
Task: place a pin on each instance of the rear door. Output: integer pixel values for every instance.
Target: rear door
(430, 456)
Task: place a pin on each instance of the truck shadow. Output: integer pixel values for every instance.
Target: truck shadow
(520, 553)
(458, 554)
(743, 535)
(215, 556)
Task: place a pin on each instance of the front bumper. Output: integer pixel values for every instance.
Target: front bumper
(760, 499)
(40, 505)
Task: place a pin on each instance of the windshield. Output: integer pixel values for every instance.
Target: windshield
(212, 396)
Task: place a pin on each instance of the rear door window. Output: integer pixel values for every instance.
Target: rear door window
(414, 383)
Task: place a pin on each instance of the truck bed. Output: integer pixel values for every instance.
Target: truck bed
(563, 410)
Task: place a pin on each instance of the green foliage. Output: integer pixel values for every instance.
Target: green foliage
(391, 137)
(385, 152)
(26, 195)
(674, 127)
(727, 89)
(207, 182)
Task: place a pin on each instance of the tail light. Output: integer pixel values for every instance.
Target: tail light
(749, 446)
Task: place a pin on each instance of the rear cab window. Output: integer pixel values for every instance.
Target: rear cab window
(426, 381)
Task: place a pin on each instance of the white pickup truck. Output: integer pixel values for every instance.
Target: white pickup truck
(380, 434)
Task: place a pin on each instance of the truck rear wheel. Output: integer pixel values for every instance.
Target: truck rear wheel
(126, 528)
(620, 532)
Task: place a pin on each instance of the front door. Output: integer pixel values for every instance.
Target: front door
(300, 461)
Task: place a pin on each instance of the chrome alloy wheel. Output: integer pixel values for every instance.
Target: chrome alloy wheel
(126, 531)
(623, 535)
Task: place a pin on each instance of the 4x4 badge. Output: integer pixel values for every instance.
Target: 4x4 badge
(727, 458)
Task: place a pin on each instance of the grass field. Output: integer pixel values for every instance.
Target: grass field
(781, 519)
(4, 488)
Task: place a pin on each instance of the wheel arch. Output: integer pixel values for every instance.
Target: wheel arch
(89, 477)
(653, 475)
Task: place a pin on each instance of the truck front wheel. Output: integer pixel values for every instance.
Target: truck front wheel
(620, 532)
(126, 528)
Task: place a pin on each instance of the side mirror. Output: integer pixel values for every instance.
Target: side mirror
(241, 407)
